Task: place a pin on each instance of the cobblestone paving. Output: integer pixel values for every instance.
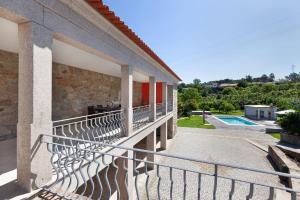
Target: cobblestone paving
(220, 145)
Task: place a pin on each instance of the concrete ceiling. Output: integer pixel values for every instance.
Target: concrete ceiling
(64, 53)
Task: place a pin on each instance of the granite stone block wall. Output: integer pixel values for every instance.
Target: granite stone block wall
(73, 90)
(8, 94)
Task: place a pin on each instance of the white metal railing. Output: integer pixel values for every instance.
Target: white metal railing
(84, 172)
(170, 106)
(141, 116)
(101, 127)
(160, 109)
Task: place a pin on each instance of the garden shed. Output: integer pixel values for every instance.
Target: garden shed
(258, 112)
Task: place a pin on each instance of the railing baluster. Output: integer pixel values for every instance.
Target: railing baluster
(90, 177)
(215, 182)
(126, 177)
(116, 176)
(83, 178)
(158, 183)
(271, 196)
(231, 193)
(106, 175)
(136, 175)
(293, 196)
(250, 195)
(172, 182)
(147, 180)
(184, 184)
(97, 175)
(199, 186)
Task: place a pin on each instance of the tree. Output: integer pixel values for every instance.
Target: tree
(229, 91)
(226, 107)
(264, 78)
(189, 100)
(189, 106)
(181, 86)
(197, 81)
(294, 77)
(249, 78)
(190, 93)
(272, 77)
(242, 83)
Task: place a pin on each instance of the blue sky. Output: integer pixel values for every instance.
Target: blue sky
(215, 39)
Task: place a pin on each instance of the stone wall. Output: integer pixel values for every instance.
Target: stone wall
(8, 94)
(73, 90)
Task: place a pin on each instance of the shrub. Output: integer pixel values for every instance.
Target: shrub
(226, 107)
(189, 106)
(291, 123)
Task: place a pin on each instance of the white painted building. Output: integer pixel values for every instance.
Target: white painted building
(260, 112)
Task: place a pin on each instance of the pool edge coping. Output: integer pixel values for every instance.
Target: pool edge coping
(256, 124)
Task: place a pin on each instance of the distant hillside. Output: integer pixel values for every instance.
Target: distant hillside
(284, 94)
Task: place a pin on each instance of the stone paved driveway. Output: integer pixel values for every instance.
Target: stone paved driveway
(220, 145)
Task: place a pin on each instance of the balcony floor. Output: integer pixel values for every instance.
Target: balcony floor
(8, 171)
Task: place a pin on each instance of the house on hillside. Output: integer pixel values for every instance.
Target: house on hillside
(259, 112)
(226, 85)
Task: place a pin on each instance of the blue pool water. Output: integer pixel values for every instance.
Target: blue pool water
(235, 120)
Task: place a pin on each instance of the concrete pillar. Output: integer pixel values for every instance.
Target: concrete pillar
(126, 193)
(174, 109)
(126, 97)
(170, 128)
(151, 146)
(163, 136)
(34, 105)
(152, 97)
(165, 97)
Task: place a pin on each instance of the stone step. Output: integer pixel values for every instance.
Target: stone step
(285, 165)
(290, 150)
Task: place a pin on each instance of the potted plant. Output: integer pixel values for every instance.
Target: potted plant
(291, 126)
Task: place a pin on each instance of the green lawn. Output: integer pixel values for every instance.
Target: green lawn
(194, 122)
(235, 112)
(275, 135)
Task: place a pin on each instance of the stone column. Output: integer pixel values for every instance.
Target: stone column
(126, 193)
(170, 128)
(151, 146)
(152, 97)
(163, 136)
(165, 97)
(126, 97)
(174, 109)
(34, 105)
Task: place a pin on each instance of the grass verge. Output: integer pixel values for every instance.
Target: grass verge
(275, 135)
(194, 122)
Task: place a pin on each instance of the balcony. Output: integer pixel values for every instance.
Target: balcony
(107, 127)
(160, 110)
(85, 169)
(141, 116)
(170, 106)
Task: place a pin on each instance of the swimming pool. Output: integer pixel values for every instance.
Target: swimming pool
(232, 120)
